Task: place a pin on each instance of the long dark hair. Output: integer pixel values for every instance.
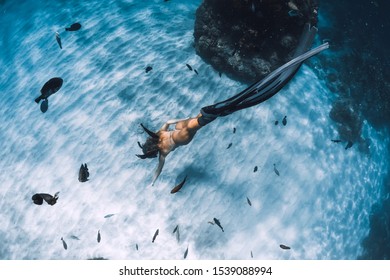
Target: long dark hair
(150, 147)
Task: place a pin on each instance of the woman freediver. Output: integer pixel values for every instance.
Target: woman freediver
(165, 141)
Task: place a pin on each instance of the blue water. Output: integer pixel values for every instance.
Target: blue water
(320, 205)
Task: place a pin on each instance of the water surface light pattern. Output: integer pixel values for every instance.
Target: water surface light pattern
(318, 204)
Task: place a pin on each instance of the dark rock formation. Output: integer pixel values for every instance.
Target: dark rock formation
(349, 122)
(247, 39)
(358, 67)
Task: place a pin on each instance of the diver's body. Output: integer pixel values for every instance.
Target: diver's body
(164, 141)
(169, 140)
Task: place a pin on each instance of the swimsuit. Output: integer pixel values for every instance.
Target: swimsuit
(172, 144)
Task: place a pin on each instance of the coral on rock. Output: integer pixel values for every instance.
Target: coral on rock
(247, 39)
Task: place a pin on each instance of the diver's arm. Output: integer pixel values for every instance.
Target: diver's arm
(173, 121)
(161, 161)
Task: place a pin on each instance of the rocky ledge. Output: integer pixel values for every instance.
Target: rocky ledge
(247, 39)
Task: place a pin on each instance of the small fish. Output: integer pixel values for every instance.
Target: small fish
(255, 169)
(83, 173)
(136, 247)
(234, 130)
(58, 38)
(293, 13)
(154, 236)
(292, 6)
(186, 253)
(189, 67)
(284, 247)
(276, 122)
(251, 255)
(249, 202)
(38, 198)
(64, 244)
(179, 186)
(196, 72)
(99, 237)
(349, 145)
(74, 27)
(276, 171)
(335, 140)
(218, 224)
(210, 222)
(284, 121)
(220, 74)
(148, 69)
(108, 216)
(74, 237)
(228, 147)
(177, 233)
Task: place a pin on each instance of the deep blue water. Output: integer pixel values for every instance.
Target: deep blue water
(327, 203)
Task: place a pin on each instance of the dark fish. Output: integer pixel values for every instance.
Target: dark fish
(220, 74)
(228, 147)
(44, 105)
(58, 38)
(83, 173)
(335, 141)
(276, 122)
(349, 145)
(189, 67)
(234, 130)
(64, 244)
(108, 216)
(196, 72)
(284, 121)
(176, 230)
(249, 202)
(251, 255)
(218, 223)
(148, 69)
(136, 247)
(74, 27)
(186, 253)
(39, 197)
(49, 88)
(74, 237)
(284, 247)
(99, 237)
(179, 186)
(255, 169)
(276, 171)
(154, 236)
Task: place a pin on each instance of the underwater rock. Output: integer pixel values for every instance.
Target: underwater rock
(248, 39)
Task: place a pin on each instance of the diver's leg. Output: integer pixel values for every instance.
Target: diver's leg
(262, 90)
